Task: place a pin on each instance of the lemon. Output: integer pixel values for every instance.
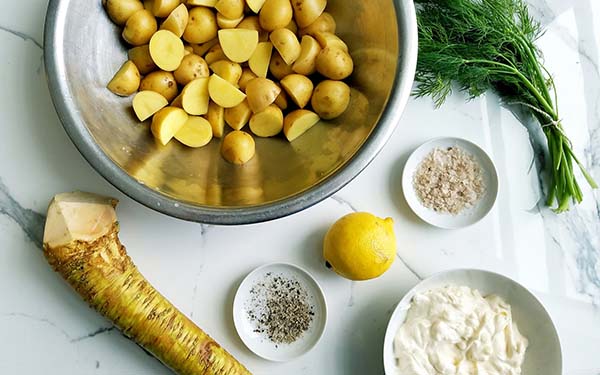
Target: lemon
(360, 246)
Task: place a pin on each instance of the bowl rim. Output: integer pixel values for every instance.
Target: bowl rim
(82, 139)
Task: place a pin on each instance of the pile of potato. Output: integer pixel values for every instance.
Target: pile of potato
(197, 65)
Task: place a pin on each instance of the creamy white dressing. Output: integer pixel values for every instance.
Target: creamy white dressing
(456, 331)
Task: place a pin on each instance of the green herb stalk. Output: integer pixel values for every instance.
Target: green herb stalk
(490, 44)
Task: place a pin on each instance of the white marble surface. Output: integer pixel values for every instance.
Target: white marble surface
(46, 328)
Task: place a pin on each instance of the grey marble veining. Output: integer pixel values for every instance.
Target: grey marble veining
(22, 35)
(31, 222)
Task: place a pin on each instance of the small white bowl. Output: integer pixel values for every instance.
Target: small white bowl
(543, 355)
(444, 220)
(259, 343)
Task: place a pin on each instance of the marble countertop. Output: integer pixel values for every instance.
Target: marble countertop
(47, 328)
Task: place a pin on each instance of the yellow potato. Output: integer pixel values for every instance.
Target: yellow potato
(161, 82)
(306, 64)
(148, 4)
(177, 102)
(307, 11)
(298, 122)
(255, 5)
(330, 99)
(147, 103)
(215, 53)
(281, 101)
(119, 11)
(259, 62)
(325, 23)
(139, 28)
(226, 23)
(238, 147)
(196, 132)
(267, 123)
(335, 64)
(275, 14)
(247, 76)
(126, 81)
(278, 67)
(167, 122)
(141, 58)
(194, 97)
(231, 9)
(187, 49)
(292, 27)
(229, 71)
(166, 50)
(216, 117)
(252, 23)
(331, 40)
(192, 66)
(177, 20)
(204, 3)
(201, 27)
(261, 93)
(224, 93)
(286, 43)
(202, 48)
(238, 116)
(162, 8)
(238, 44)
(299, 88)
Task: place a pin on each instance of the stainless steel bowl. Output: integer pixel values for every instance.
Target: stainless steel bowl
(82, 51)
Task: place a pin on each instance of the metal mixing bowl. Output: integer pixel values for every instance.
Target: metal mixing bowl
(83, 50)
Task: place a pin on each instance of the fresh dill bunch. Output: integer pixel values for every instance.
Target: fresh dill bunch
(490, 44)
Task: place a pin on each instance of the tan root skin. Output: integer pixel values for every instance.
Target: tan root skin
(81, 243)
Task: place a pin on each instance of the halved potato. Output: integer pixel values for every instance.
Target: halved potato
(226, 23)
(215, 53)
(255, 5)
(141, 58)
(202, 25)
(196, 132)
(194, 97)
(281, 100)
(166, 50)
(275, 14)
(238, 147)
(238, 44)
(177, 102)
(231, 9)
(286, 43)
(307, 11)
(167, 122)
(204, 3)
(192, 66)
(126, 81)
(147, 103)
(298, 122)
(187, 49)
(259, 62)
(299, 88)
(229, 71)
(161, 82)
(224, 93)
(267, 123)
(306, 64)
(325, 22)
(261, 93)
(238, 116)
(177, 20)
(162, 8)
(139, 28)
(202, 48)
(252, 23)
(119, 11)
(293, 27)
(331, 40)
(278, 67)
(247, 76)
(216, 117)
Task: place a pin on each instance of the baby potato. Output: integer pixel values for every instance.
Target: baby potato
(298, 122)
(306, 64)
(187, 49)
(224, 93)
(141, 58)
(229, 71)
(299, 88)
(238, 44)
(162, 8)
(166, 50)
(161, 82)
(196, 132)
(326, 39)
(119, 11)
(307, 11)
(226, 23)
(139, 28)
(177, 21)
(195, 97)
(202, 48)
(238, 147)
(126, 81)
(231, 9)
(252, 23)
(261, 93)
(260, 59)
(281, 101)
(147, 103)
(167, 122)
(255, 5)
(292, 26)
(204, 3)
(275, 14)
(215, 53)
(286, 43)
(216, 117)
(278, 67)
(325, 23)
(201, 27)
(247, 76)
(267, 123)
(192, 66)
(334, 63)
(238, 116)
(330, 99)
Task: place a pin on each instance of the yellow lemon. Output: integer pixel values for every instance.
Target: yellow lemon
(360, 246)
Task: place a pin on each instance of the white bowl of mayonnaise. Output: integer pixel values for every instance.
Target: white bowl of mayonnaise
(471, 322)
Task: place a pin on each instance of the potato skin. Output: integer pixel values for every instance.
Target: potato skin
(161, 82)
(334, 63)
(238, 147)
(275, 14)
(139, 28)
(330, 99)
(140, 56)
(325, 23)
(126, 81)
(119, 11)
(192, 66)
(307, 11)
(202, 26)
(278, 67)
